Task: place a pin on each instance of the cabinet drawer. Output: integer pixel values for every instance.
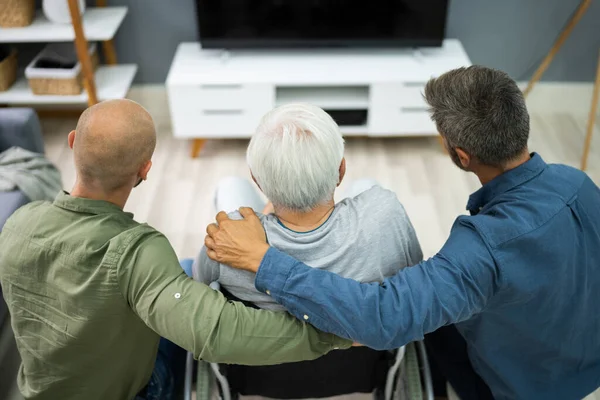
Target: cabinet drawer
(401, 121)
(208, 111)
(406, 94)
(216, 123)
(223, 97)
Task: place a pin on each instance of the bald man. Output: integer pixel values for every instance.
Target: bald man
(91, 291)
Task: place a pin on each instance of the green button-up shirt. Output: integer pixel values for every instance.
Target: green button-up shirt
(90, 291)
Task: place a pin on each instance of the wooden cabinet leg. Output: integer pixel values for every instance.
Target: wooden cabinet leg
(197, 146)
(591, 120)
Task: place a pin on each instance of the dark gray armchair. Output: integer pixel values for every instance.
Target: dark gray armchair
(18, 127)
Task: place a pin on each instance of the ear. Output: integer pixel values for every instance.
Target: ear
(342, 170)
(71, 139)
(143, 172)
(465, 159)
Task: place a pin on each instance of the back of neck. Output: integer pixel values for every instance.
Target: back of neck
(93, 192)
(487, 173)
(305, 221)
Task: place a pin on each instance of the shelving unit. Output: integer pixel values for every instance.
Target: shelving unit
(99, 23)
(112, 82)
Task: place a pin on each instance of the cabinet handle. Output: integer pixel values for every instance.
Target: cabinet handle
(415, 84)
(222, 112)
(414, 109)
(221, 87)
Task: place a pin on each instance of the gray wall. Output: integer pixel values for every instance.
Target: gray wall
(151, 32)
(512, 35)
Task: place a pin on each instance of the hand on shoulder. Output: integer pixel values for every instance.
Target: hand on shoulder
(241, 243)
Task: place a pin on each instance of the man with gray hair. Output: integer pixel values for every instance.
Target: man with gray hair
(296, 157)
(519, 278)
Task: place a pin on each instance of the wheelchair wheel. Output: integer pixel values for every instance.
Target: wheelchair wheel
(414, 387)
(408, 385)
(203, 381)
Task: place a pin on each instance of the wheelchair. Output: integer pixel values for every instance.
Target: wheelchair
(400, 374)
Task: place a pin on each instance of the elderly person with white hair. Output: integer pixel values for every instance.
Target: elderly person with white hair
(296, 157)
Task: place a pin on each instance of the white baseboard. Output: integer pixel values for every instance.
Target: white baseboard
(546, 97)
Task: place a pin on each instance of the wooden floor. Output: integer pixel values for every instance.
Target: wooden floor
(178, 197)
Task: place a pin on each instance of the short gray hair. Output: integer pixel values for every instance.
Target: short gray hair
(482, 111)
(295, 156)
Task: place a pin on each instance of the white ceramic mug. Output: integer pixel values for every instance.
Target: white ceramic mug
(57, 11)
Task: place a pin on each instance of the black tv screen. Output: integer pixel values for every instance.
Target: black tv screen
(231, 24)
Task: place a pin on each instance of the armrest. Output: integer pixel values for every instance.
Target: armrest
(9, 203)
(20, 127)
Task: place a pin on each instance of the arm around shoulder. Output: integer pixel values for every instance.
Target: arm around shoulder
(202, 321)
(448, 288)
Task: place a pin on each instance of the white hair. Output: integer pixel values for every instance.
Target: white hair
(295, 156)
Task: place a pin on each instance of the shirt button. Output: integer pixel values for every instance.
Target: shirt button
(305, 316)
(177, 295)
(268, 292)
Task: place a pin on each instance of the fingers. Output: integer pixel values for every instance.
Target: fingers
(212, 254)
(210, 248)
(209, 242)
(222, 216)
(247, 212)
(212, 229)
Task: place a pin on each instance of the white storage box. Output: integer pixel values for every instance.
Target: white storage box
(58, 81)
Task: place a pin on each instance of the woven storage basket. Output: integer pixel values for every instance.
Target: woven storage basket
(16, 13)
(66, 87)
(8, 71)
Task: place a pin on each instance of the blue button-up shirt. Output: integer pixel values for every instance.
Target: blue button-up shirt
(520, 278)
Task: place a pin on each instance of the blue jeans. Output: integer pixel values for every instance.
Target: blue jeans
(169, 369)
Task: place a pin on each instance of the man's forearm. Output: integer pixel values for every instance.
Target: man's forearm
(202, 321)
(253, 337)
(402, 309)
(314, 296)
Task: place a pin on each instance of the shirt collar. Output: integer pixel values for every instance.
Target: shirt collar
(89, 206)
(505, 182)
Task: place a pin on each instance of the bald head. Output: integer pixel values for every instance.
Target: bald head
(113, 141)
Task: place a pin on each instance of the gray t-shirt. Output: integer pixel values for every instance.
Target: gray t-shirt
(366, 238)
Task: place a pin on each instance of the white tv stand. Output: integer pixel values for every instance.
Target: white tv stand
(219, 94)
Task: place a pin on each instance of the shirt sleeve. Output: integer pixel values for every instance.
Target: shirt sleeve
(414, 252)
(385, 209)
(448, 288)
(204, 269)
(202, 321)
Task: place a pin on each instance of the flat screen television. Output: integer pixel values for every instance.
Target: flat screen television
(234, 24)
